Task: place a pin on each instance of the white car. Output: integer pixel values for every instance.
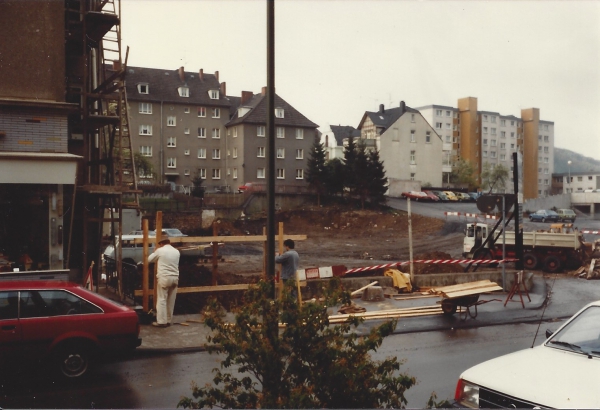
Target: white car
(562, 372)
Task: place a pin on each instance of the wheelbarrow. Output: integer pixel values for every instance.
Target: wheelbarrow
(451, 305)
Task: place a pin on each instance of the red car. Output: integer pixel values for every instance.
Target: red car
(433, 197)
(416, 196)
(63, 324)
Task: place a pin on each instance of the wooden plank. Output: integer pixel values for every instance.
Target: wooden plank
(198, 289)
(457, 294)
(357, 291)
(208, 239)
(388, 316)
(415, 297)
(390, 311)
(461, 286)
(590, 273)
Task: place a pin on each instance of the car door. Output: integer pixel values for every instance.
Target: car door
(10, 327)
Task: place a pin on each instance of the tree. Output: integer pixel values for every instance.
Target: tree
(494, 177)
(308, 364)
(349, 164)
(335, 173)
(379, 181)
(316, 173)
(362, 178)
(143, 166)
(197, 180)
(462, 173)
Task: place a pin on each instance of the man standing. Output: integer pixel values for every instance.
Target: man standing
(289, 261)
(167, 277)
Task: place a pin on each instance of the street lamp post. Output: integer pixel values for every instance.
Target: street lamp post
(569, 181)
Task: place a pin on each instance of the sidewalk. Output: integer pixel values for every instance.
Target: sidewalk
(188, 333)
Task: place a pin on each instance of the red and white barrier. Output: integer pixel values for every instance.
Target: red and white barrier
(590, 232)
(470, 215)
(430, 261)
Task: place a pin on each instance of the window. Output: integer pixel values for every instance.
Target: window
(146, 150)
(539, 137)
(448, 126)
(438, 113)
(299, 134)
(546, 138)
(171, 162)
(216, 173)
(412, 176)
(280, 173)
(512, 146)
(299, 153)
(545, 160)
(171, 121)
(545, 150)
(234, 175)
(448, 138)
(299, 174)
(502, 123)
(502, 157)
(186, 130)
(493, 119)
(143, 88)
(202, 153)
(145, 129)
(280, 132)
(260, 131)
(279, 112)
(502, 145)
(546, 182)
(216, 113)
(485, 118)
(186, 110)
(485, 130)
(512, 123)
(186, 152)
(448, 114)
(438, 125)
(545, 127)
(485, 141)
(201, 132)
(45, 303)
(412, 117)
(546, 172)
(260, 173)
(186, 172)
(234, 132)
(216, 153)
(493, 143)
(201, 111)
(413, 137)
(413, 155)
(213, 94)
(502, 134)
(484, 154)
(512, 134)
(202, 173)
(183, 91)
(428, 137)
(493, 131)
(216, 133)
(590, 178)
(492, 154)
(260, 152)
(234, 152)
(280, 152)
(172, 142)
(145, 108)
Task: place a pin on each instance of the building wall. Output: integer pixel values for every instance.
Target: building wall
(33, 130)
(545, 157)
(531, 119)
(32, 50)
(445, 122)
(395, 149)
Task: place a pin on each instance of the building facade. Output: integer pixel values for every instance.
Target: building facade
(335, 138)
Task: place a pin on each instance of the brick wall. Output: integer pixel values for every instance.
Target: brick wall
(33, 131)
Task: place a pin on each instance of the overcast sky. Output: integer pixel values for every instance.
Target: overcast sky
(337, 59)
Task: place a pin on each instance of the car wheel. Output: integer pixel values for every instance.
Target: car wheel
(543, 219)
(73, 359)
(552, 264)
(530, 261)
(531, 218)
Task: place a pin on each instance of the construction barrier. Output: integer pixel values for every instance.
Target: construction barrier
(428, 261)
(590, 232)
(470, 215)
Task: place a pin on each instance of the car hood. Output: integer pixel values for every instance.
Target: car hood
(542, 375)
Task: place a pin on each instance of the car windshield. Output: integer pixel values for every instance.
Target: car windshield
(581, 335)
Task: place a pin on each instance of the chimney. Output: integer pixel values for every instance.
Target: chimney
(217, 75)
(223, 89)
(246, 96)
(381, 109)
(402, 107)
(201, 74)
(263, 91)
(181, 74)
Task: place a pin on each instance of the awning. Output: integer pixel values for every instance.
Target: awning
(38, 168)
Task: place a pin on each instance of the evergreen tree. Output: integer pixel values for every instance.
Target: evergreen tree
(379, 181)
(349, 165)
(334, 183)
(362, 179)
(316, 172)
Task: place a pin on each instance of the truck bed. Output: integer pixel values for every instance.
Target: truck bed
(544, 239)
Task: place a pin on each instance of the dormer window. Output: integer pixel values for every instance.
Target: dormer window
(243, 111)
(279, 112)
(143, 88)
(213, 94)
(183, 91)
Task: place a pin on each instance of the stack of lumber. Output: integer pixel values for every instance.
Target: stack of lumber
(465, 289)
(588, 271)
(389, 314)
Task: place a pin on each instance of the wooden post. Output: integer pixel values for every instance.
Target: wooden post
(410, 247)
(215, 255)
(146, 272)
(158, 237)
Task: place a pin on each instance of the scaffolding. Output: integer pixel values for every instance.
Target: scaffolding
(107, 183)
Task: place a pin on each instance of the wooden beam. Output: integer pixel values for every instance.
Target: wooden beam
(205, 239)
(199, 289)
(357, 291)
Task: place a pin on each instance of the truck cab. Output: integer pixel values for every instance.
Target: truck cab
(475, 235)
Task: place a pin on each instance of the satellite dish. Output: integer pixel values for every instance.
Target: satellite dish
(486, 203)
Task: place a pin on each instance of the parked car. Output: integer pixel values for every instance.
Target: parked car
(462, 196)
(416, 195)
(474, 196)
(433, 197)
(246, 187)
(528, 378)
(441, 195)
(544, 215)
(62, 324)
(450, 195)
(566, 215)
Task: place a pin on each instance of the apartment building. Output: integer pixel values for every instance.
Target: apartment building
(246, 142)
(411, 150)
(490, 137)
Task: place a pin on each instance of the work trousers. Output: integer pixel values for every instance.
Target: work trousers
(166, 294)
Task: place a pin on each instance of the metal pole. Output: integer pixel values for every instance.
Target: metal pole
(271, 142)
(504, 241)
(410, 246)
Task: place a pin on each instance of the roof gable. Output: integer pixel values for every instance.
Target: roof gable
(257, 113)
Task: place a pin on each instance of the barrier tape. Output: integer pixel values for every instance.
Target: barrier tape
(591, 232)
(428, 261)
(484, 216)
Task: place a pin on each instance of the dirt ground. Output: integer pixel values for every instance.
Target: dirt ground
(351, 238)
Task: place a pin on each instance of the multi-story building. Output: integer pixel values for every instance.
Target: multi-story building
(409, 147)
(246, 142)
(489, 137)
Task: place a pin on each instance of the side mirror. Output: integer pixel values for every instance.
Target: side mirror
(549, 333)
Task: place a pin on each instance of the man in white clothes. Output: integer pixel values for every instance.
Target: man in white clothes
(167, 276)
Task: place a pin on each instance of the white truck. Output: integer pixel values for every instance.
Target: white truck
(553, 250)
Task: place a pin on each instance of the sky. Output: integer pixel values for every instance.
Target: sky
(336, 59)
